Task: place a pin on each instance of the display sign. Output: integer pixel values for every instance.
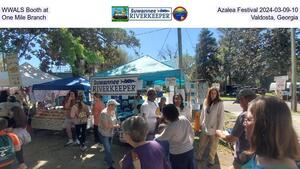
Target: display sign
(281, 78)
(202, 89)
(170, 81)
(216, 85)
(4, 79)
(115, 86)
(280, 82)
(13, 70)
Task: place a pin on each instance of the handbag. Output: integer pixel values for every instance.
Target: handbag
(135, 160)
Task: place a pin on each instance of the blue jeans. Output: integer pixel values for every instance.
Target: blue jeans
(97, 135)
(106, 141)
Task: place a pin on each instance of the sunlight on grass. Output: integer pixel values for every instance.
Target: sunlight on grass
(87, 156)
(270, 94)
(40, 164)
(296, 113)
(95, 146)
(228, 98)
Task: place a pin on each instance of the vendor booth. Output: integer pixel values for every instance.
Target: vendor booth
(51, 114)
(125, 82)
(122, 83)
(18, 81)
(147, 69)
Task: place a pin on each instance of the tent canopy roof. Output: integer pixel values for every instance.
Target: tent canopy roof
(145, 67)
(141, 65)
(73, 83)
(31, 75)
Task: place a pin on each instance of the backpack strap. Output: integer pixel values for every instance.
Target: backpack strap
(7, 153)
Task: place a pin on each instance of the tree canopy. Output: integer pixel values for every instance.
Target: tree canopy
(85, 50)
(206, 56)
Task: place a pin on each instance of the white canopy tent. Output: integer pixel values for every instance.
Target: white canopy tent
(29, 76)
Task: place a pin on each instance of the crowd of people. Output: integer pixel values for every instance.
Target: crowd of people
(162, 136)
(14, 119)
(263, 134)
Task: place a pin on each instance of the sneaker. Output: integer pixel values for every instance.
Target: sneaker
(69, 142)
(83, 148)
(101, 147)
(77, 142)
(22, 166)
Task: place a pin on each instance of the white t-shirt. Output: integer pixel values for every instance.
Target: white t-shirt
(180, 136)
(148, 110)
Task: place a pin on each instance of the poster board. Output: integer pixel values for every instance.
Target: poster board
(170, 81)
(115, 86)
(280, 82)
(13, 70)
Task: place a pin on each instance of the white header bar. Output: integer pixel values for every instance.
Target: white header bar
(149, 14)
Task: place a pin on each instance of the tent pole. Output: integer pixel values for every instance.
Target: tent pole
(179, 54)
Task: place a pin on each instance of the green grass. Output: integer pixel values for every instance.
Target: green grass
(296, 113)
(228, 98)
(270, 94)
(229, 120)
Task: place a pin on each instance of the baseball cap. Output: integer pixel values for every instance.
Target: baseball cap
(244, 93)
(112, 101)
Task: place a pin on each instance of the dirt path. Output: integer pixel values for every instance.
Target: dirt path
(296, 124)
(47, 151)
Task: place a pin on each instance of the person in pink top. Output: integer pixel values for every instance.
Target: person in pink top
(97, 108)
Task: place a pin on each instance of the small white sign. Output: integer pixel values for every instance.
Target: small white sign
(280, 84)
(281, 78)
(4, 80)
(170, 81)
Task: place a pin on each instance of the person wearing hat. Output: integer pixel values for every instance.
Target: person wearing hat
(107, 123)
(237, 134)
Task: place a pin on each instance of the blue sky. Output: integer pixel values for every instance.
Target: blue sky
(154, 40)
